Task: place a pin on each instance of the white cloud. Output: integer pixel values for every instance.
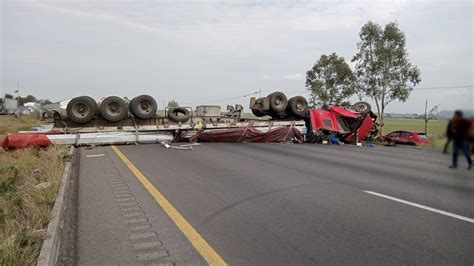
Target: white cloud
(296, 76)
(190, 50)
(104, 16)
(290, 77)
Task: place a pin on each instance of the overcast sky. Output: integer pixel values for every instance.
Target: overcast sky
(203, 52)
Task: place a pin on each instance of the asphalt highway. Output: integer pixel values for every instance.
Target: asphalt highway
(273, 204)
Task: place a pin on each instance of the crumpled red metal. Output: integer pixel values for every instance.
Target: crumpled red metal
(249, 134)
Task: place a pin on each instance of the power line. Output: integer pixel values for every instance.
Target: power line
(446, 87)
(307, 91)
(414, 89)
(225, 99)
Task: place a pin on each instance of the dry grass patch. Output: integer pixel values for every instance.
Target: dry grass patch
(10, 123)
(29, 182)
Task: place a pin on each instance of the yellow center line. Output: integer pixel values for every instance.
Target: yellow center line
(199, 243)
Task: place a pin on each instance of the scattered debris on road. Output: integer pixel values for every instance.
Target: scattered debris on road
(180, 147)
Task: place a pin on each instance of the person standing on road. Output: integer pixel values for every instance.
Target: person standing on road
(461, 128)
(449, 136)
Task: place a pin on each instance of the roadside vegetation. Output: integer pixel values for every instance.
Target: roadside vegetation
(29, 182)
(9, 123)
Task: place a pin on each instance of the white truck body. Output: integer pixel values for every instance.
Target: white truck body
(7, 106)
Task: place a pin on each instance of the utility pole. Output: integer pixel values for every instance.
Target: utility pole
(426, 117)
(18, 93)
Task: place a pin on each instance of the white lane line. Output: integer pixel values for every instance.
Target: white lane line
(460, 217)
(95, 155)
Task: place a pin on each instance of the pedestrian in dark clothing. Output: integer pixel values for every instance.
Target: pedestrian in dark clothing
(461, 138)
(449, 136)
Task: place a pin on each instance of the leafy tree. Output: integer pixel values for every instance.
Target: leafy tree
(27, 99)
(44, 101)
(8, 96)
(30, 98)
(330, 81)
(173, 104)
(383, 70)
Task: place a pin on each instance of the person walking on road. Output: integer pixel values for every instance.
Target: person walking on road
(449, 136)
(461, 137)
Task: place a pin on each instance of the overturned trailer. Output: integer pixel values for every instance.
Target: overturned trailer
(116, 121)
(113, 114)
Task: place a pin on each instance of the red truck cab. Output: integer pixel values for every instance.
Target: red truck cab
(338, 122)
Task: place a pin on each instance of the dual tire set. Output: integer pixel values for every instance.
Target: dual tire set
(281, 107)
(83, 109)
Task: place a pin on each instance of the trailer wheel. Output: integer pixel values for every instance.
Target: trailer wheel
(298, 106)
(143, 106)
(113, 109)
(258, 113)
(179, 114)
(278, 102)
(81, 109)
(362, 107)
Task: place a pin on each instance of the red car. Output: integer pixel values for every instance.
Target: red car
(407, 137)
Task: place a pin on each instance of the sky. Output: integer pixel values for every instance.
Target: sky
(210, 52)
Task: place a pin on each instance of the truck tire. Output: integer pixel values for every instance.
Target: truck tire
(298, 106)
(258, 113)
(278, 102)
(179, 114)
(81, 109)
(143, 106)
(113, 109)
(362, 107)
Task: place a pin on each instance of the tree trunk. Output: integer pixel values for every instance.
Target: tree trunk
(382, 113)
(426, 117)
(382, 122)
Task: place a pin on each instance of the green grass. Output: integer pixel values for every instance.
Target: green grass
(436, 129)
(25, 208)
(9, 123)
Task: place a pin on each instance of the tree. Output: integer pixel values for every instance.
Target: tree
(383, 70)
(27, 99)
(30, 98)
(173, 104)
(44, 101)
(431, 115)
(8, 96)
(330, 81)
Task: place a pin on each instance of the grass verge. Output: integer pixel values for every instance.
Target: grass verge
(9, 123)
(29, 183)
